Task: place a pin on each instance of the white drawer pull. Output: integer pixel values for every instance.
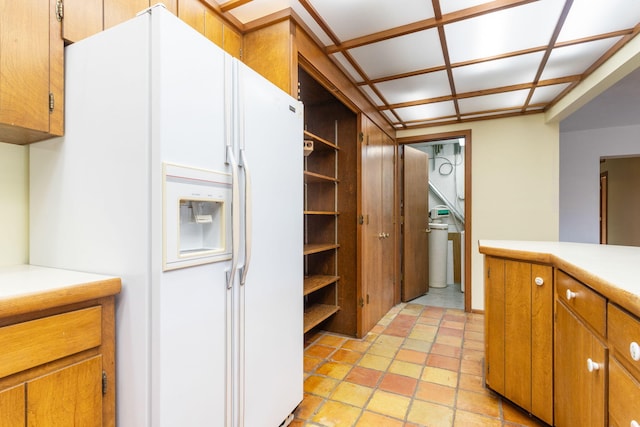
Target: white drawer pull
(634, 351)
(570, 295)
(634, 423)
(592, 366)
(539, 281)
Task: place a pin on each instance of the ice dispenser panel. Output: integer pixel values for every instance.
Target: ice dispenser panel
(196, 217)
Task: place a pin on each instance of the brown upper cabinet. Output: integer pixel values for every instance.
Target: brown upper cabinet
(31, 72)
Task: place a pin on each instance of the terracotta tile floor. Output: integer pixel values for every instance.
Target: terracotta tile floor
(419, 366)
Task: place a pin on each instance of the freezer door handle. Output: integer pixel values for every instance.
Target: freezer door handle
(248, 220)
(235, 217)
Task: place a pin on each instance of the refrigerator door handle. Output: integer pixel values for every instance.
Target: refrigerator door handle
(248, 220)
(235, 217)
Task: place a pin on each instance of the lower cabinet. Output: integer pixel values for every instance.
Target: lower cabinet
(58, 369)
(590, 375)
(581, 373)
(519, 333)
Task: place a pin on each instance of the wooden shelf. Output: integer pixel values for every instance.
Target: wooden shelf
(316, 177)
(317, 313)
(313, 248)
(309, 135)
(329, 213)
(313, 283)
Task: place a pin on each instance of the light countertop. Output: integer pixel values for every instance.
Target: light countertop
(25, 288)
(613, 271)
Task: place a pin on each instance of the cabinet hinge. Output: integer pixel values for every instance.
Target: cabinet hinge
(367, 298)
(360, 302)
(361, 136)
(52, 102)
(360, 219)
(59, 10)
(488, 272)
(104, 382)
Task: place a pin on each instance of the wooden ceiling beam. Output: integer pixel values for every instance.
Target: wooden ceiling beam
(232, 4)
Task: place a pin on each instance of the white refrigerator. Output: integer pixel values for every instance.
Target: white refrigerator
(181, 172)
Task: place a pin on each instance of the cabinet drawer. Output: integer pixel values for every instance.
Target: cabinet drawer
(624, 337)
(33, 343)
(585, 302)
(624, 395)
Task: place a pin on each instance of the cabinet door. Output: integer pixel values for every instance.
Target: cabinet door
(71, 396)
(24, 64)
(519, 338)
(12, 407)
(377, 257)
(82, 18)
(118, 11)
(579, 391)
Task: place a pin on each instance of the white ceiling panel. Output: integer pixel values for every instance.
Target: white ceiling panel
(574, 59)
(412, 52)
(512, 99)
(498, 73)
(428, 111)
(355, 18)
(423, 86)
(546, 94)
(588, 17)
(509, 30)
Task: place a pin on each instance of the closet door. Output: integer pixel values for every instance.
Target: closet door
(377, 233)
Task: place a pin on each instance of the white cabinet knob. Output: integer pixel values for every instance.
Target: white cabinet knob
(592, 366)
(539, 281)
(570, 295)
(634, 423)
(634, 351)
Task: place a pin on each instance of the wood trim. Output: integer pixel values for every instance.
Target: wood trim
(468, 202)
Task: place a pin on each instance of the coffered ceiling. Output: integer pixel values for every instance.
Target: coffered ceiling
(432, 62)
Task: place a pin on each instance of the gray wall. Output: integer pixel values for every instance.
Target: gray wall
(580, 153)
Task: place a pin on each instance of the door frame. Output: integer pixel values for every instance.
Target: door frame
(466, 134)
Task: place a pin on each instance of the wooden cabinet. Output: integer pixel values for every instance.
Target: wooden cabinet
(518, 333)
(320, 230)
(623, 330)
(31, 72)
(57, 353)
(330, 255)
(580, 354)
(337, 111)
(211, 25)
(377, 231)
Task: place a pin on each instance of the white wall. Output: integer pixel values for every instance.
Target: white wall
(514, 184)
(580, 153)
(14, 204)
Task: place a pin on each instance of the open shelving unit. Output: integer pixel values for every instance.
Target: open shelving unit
(320, 231)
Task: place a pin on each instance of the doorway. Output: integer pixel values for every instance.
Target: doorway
(619, 200)
(449, 208)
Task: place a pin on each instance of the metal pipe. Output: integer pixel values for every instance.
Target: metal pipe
(446, 201)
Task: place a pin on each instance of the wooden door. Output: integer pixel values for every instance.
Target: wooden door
(118, 11)
(24, 64)
(494, 299)
(12, 407)
(371, 228)
(415, 202)
(69, 397)
(82, 18)
(579, 393)
(388, 249)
